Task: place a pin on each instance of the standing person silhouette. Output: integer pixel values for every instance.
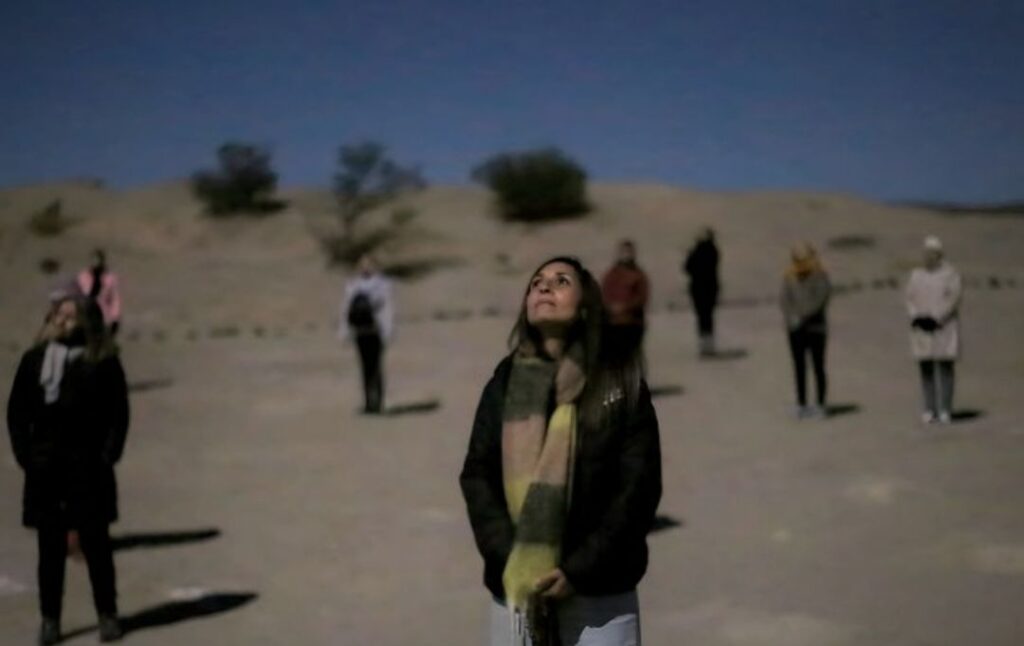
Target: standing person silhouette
(68, 418)
(562, 476)
(933, 297)
(701, 266)
(625, 290)
(804, 299)
(101, 285)
(367, 315)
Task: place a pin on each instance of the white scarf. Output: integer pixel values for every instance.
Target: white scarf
(56, 358)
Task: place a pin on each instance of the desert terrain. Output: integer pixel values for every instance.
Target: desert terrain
(258, 507)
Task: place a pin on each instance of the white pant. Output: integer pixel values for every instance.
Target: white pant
(612, 620)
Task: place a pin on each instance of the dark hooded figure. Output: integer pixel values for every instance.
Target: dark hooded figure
(701, 266)
(68, 419)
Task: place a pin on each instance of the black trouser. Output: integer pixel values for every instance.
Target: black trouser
(94, 540)
(937, 385)
(802, 342)
(370, 350)
(705, 319)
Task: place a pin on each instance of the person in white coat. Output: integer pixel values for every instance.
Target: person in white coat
(933, 303)
(367, 315)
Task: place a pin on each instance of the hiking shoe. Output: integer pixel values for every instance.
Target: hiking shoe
(110, 629)
(49, 632)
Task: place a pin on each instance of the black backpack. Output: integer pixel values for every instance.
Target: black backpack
(360, 312)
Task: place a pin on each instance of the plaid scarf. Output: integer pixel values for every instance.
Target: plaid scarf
(537, 460)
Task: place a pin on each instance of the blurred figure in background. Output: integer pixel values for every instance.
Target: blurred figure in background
(625, 291)
(562, 476)
(804, 300)
(701, 266)
(367, 314)
(933, 304)
(99, 284)
(68, 418)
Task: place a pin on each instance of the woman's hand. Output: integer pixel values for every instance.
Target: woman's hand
(553, 585)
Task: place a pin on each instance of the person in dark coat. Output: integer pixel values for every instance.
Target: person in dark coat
(68, 418)
(701, 266)
(562, 476)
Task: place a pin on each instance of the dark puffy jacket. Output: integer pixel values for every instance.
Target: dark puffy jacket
(615, 492)
(702, 267)
(68, 449)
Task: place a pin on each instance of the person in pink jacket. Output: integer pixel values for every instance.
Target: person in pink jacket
(100, 284)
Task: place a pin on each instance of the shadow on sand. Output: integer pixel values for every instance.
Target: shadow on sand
(146, 385)
(162, 539)
(173, 612)
(967, 414)
(662, 523)
(666, 390)
(417, 269)
(725, 354)
(413, 408)
(838, 410)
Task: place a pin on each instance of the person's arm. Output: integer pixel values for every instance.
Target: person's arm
(788, 305)
(951, 296)
(643, 292)
(481, 478)
(631, 513)
(19, 412)
(386, 314)
(910, 297)
(346, 301)
(116, 410)
(114, 298)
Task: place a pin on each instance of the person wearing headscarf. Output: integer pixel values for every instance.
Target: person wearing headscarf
(67, 417)
(933, 297)
(562, 476)
(804, 300)
(701, 266)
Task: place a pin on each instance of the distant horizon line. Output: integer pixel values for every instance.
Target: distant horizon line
(993, 206)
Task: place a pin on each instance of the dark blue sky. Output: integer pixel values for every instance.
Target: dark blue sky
(891, 99)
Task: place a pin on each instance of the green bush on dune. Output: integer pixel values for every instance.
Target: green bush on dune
(535, 185)
(367, 180)
(244, 183)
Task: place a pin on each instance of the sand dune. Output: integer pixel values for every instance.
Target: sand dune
(326, 527)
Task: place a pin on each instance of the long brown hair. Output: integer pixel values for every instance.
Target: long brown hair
(611, 378)
(89, 320)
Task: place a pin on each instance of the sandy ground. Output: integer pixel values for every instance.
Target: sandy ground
(259, 508)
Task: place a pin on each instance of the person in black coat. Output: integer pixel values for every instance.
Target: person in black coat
(615, 473)
(701, 266)
(68, 418)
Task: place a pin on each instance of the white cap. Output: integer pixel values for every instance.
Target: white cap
(932, 243)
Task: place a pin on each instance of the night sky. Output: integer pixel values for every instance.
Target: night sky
(892, 100)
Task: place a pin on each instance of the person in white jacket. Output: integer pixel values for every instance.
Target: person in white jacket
(933, 303)
(367, 315)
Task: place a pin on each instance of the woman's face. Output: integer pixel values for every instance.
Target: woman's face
(553, 298)
(65, 319)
